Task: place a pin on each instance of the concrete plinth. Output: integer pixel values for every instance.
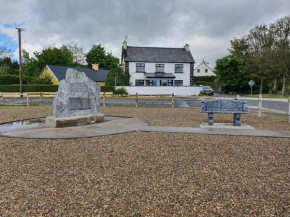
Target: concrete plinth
(74, 121)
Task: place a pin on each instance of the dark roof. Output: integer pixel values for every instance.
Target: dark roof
(157, 55)
(97, 76)
(159, 75)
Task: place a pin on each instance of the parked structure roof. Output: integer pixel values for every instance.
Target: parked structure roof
(60, 71)
(157, 54)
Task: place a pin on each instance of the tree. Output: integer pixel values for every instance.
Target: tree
(4, 69)
(231, 77)
(98, 55)
(281, 29)
(77, 53)
(49, 55)
(122, 79)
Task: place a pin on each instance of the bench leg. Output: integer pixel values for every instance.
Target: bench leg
(237, 119)
(210, 119)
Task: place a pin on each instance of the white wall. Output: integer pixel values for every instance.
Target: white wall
(158, 90)
(168, 68)
(202, 72)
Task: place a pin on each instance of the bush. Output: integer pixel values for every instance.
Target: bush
(203, 93)
(122, 91)
(164, 84)
(205, 78)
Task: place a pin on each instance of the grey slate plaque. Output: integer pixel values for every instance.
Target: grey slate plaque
(78, 87)
(79, 103)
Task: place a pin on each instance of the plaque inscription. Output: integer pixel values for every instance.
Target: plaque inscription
(79, 87)
(79, 103)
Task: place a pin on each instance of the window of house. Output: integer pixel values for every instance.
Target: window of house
(139, 82)
(140, 67)
(170, 82)
(178, 68)
(205, 70)
(198, 70)
(178, 83)
(159, 67)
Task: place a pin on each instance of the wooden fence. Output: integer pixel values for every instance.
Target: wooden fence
(262, 109)
(39, 96)
(137, 102)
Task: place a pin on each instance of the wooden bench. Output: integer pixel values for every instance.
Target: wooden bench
(224, 106)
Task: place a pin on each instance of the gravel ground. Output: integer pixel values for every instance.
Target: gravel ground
(180, 117)
(145, 174)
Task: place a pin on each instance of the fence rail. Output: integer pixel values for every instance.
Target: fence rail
(260, 107)
(137, 102)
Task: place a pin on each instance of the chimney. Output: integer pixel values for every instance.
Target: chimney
(95, 67)
(125, 45)
(186, 47)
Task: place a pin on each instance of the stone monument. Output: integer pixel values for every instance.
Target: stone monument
(76, 102)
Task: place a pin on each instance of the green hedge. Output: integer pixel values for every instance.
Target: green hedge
(40, 88)
(29, 88)
(205, 78)
(211, 84)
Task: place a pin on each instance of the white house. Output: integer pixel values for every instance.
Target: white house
(203, 70)
(159, 70)
(154, 66)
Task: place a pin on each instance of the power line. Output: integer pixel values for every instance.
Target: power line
(10, 40)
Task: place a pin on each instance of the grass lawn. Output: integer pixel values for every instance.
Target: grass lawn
(146, 174)
(276, 96)
(10, 107)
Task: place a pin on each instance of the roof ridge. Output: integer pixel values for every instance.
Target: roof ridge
(157, 47)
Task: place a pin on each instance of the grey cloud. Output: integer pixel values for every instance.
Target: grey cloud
(206, 25)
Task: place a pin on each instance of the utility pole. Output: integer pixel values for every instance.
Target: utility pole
(20, 62)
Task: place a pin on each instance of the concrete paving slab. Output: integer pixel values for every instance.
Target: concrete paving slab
(230, 132)
(226, 126)
(111, 126)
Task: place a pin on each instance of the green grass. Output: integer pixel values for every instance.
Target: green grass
(10, 107)
(277, 96)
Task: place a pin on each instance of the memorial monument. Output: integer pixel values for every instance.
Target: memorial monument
(76, 102)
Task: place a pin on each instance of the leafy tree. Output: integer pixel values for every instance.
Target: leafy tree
(231, 77)
(4, 69)
(49, 55)
(98, 55)
(122, 79)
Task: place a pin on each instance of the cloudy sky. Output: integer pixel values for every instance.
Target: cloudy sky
(206, 25)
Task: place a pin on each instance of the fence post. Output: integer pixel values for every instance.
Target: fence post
(260, 105)
(136, 100)
(104, 99)
(1, 98)
(27, 98)
(172, 100)
(238, 97)
(289, 109)
(41, 99)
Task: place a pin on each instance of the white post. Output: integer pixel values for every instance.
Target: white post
(260, 105)
(27, 98)
(238, 97)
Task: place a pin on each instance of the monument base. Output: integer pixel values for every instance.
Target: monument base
(74, 121)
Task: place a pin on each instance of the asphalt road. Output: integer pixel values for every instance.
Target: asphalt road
(179, 102)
